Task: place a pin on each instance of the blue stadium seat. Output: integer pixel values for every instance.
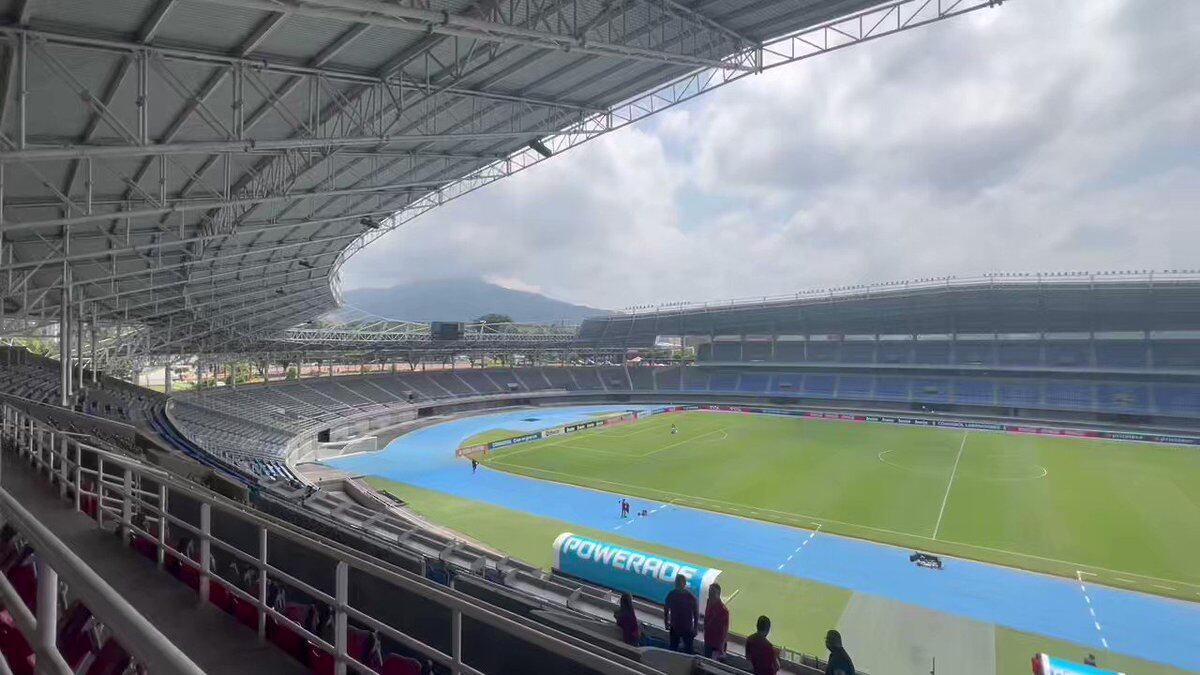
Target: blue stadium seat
(1012, 393)
(724, 381)
(788, 383)
(695, 379)
(892, 388)
(931, 390)
(819, 384)
(1123, 398)
(754, 383)
(975, 391)
(1070, 396)
(855, 386)
(1177, 399)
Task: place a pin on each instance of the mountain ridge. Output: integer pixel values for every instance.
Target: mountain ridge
(461, 299)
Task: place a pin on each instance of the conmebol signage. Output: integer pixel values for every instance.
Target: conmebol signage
(645, 575)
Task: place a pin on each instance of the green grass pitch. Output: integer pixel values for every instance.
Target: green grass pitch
(1125, 512)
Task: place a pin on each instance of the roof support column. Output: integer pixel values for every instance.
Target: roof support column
(79, 342)
(95, 368)
(64, 341)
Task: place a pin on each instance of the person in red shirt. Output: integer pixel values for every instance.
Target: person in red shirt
(763, 657)
(681, 613)
(716, 624)
(631, 631)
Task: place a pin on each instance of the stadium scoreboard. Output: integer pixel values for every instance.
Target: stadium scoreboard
(446, 331)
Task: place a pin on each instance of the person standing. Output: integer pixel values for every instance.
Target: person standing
(681, 613)
(631, 631)
(474, 465)
(839, 660)
(762, 655)
(716, 624)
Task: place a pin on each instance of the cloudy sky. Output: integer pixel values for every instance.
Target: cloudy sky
(1043, 135)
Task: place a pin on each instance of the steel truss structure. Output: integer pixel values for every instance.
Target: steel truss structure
(187, 176)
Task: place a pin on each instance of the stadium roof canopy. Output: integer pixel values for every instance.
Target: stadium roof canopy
(993, 304)
(199, 169)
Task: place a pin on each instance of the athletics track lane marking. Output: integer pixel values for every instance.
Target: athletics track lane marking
(1096, 622)
(953, 472)
(799, 548)
(630, 521)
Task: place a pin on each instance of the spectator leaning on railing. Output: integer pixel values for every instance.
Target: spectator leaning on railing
(716, 624)
(763, 656)
(839, 660)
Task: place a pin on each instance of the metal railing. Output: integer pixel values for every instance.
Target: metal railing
(56, 561)
(142, 502)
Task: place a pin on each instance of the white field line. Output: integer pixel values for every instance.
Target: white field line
(953, 472)
(732, 595)
(693, 439)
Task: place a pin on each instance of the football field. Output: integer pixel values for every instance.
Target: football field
(1122, 514)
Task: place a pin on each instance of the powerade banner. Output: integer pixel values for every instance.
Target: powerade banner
(1048, 665)
(642, 574)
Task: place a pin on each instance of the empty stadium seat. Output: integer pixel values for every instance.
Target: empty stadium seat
(112, 660)
(394, 664)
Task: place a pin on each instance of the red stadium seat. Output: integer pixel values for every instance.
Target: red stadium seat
(190, 576)
(75, 639)
(246, 613)
(24, 579)
(284, 636)
(112, 660)
(145, 547)
(357, 644)
(17, 652)
(320, 662)
(395, 664)
(220, 596)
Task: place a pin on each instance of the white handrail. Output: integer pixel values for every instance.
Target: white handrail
(150, 647)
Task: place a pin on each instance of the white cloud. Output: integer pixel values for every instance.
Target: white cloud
(1039, 135)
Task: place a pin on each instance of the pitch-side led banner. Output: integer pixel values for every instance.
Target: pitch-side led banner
(642, 574)
(1048, 665)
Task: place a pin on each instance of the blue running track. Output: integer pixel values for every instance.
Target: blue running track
(1136, 624)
